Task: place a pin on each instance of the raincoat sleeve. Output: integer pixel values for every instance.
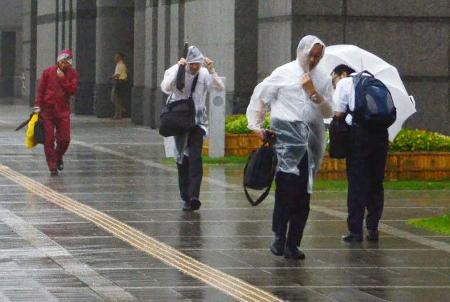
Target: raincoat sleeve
(168, 85)
(42, 86)
(70, 82)
(264, 94)
(213, 81)
(326, 105)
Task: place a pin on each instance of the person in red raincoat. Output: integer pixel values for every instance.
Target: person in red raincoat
(56, 85)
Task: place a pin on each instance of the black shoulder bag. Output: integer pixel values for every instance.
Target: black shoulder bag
(339, 132)
(178, 117)
(259, 171)
(39, 136)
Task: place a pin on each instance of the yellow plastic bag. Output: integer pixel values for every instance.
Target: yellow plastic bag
(29, 141)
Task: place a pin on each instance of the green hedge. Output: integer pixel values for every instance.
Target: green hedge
(237, 124)
(406, 141)
(420, 140)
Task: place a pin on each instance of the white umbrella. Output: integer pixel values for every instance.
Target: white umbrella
(360, 59)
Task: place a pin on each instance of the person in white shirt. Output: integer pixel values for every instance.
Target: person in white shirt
(188, 147)
(299, 96)
(366, 160)
(120, 83)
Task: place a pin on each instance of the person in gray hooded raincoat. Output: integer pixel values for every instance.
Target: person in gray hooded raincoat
(188, 147)
(299, 97)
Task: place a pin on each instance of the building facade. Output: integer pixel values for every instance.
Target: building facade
(246, 38)
(11, 76)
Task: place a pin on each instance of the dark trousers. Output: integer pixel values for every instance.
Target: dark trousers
(291, 204)
(119, 94)
(366, 163)
(190, 172)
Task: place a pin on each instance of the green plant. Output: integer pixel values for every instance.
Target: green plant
(238, 124)
(408, 140)
(420, 140)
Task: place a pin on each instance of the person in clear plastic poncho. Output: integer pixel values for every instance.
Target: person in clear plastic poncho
(298, 96)
(188, 147)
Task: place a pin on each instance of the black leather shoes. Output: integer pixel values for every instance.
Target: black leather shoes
(192, 205)
(292, 252)
(54, 173)
(351, 237)
(277, 246)
(60, 165)
(372, 235)
(195, 204)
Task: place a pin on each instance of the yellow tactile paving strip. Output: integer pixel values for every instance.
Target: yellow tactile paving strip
(234, 287)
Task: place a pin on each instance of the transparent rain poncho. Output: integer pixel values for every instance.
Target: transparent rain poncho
(205, 83)
(194, 55)
(296, 121)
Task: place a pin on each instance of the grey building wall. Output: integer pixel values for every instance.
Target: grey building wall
(411, 35)
(247, 40)
(114, 33)
(11, 50)
(225, 31)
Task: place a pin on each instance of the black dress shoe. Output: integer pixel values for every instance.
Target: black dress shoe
(54, 173)
(372, 235)
(195, 204)
(292, 252)
(277, 246)
(351, 237)
(60, 165)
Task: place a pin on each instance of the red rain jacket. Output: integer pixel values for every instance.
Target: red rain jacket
(54, 91)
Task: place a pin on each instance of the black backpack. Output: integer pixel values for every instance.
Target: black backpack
(259, 171)
(374, 106)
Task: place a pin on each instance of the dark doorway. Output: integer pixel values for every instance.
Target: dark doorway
(7, 63)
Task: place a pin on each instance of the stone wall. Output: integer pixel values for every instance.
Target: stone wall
(411, 35)
(10, 51)
(246, 39)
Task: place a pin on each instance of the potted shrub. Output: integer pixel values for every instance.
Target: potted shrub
(414, 154)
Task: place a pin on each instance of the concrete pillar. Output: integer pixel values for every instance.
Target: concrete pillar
(29, 51)
(84, 44)
(157, 59)
(115, 32)
(151, 34)
(245, 54)
(162, 58)
(139, 62)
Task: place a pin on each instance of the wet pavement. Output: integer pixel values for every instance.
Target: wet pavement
(50, 253)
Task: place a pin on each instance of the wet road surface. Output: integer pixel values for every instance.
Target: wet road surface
(52, 248)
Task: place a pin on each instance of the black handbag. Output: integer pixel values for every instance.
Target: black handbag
(178, 117)
(339, 132)
(39, 137)
(259, 171)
